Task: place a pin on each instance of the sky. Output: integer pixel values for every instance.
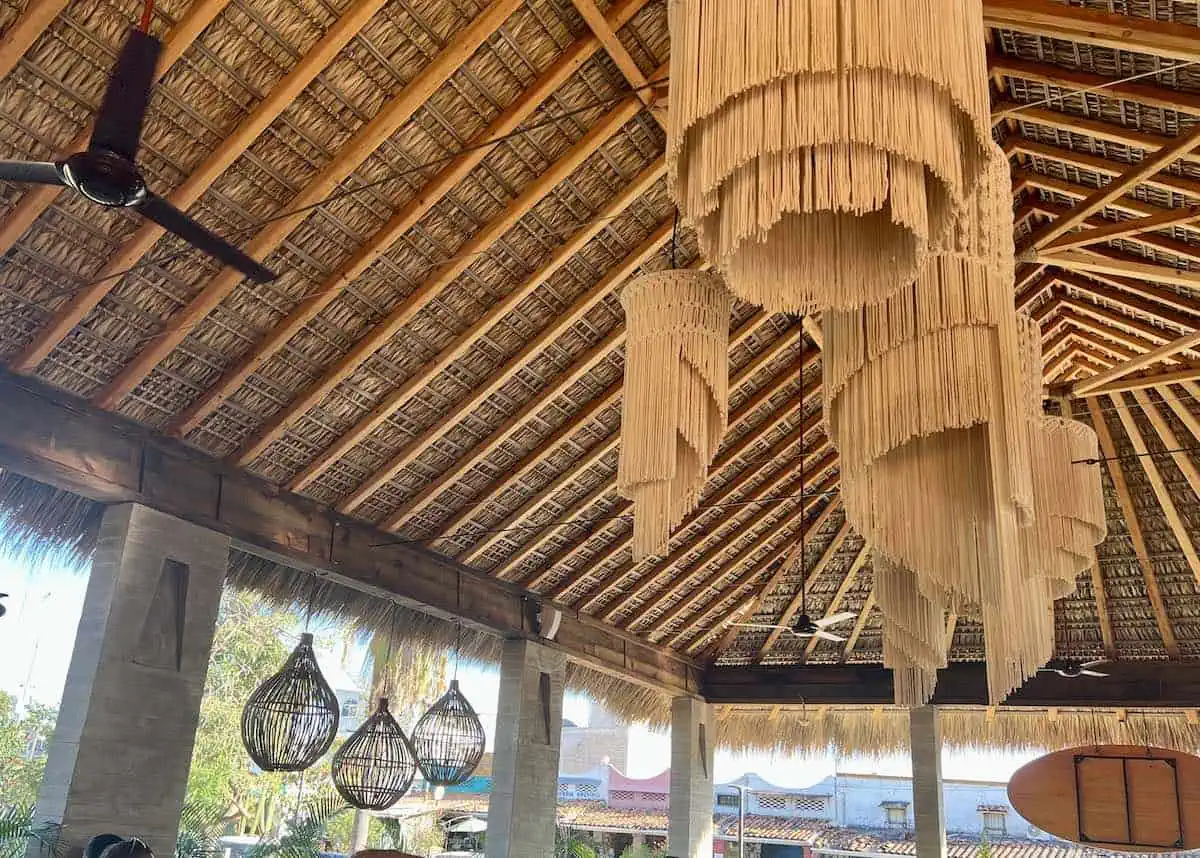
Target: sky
(38, 633)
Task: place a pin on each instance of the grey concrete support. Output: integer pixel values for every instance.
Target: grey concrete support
(925, 734)
(120, 755)
(693, 737)
(524, 796)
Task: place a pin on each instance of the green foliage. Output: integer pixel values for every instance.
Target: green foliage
(570, 844)
(306, 833)
(642, 851)
(985, 847)
(21, 761)
(17, 829)
(200, 828)
(421, 835)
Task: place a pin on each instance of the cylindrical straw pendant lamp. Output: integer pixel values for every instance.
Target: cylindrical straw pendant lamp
(675, 402)
(819, 147)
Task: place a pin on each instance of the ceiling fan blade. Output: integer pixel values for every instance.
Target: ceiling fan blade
(118, 126)
(829, 636)
(30, 172)
(173, 220)
(1096, 662)
(834, 619)
(762, 626)
(1095, 673)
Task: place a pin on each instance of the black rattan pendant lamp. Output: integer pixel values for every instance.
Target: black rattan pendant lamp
(449, 740)
(290, 720)
(374, 768)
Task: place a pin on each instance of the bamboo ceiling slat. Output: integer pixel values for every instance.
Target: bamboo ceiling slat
(567, 64)
(183, 197)
(726, 456)
(397, 112)
(611, 398)
(396, 399)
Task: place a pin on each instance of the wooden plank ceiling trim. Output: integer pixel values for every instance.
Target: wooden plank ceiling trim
(194, 186)
(20, 37)
(434, 190)
(396, 112)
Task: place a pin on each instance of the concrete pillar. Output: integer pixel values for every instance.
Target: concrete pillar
(120, 755)
(925, 734)
(693, 737)
(524, 798)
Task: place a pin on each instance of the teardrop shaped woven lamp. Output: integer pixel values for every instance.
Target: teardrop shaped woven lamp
(819, 146)
(675, 402)
(449, 739)
(290, 720)
(375, 767)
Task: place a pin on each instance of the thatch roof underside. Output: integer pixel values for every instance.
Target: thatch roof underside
(442, 354)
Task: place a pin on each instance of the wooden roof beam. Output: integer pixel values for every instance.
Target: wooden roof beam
(835, 604)
(1155, 414)
(21, 36)
(473, 153)
(1075, 260)
(1152, 241)
(864, 614)
(1099, 129)
(1177, 300)
(809, 578)
(714, 545)
(1142, 361)
(1130, 206)
(1150, 467)
(1100, 596)
(1123, 299)
(1093, 27)
(1036, 289)
(1126, 330)
(593, 457)
(725, 456)
(392, 116)
(1124, 229)
(617, 52)
(281, 96)
(787, 516)
(1113, 465)
(1075, 80)
(794, 560)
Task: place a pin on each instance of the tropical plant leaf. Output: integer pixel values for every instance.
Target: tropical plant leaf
(200, 828)
(17, 828)
(303, 839)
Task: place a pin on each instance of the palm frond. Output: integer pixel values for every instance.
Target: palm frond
(18, 828)
(303, 839)
(199, 831)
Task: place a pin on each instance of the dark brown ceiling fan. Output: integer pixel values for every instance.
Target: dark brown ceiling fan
(106, 172)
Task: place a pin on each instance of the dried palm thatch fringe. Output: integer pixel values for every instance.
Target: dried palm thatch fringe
(676, 397)
(926, 405)
(46, 527)
(286, 587)
(819, 146)
(881, 731)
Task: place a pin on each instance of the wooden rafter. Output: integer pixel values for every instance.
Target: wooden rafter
(1101, 598)
(1124, 229)
(724, 457)
(835, 604)
(1074, 80)
(1142, 361)
(605, 486)
(1138, 295)
(616, 50)
(1161, 313)
(20, 36)
(861, 623)
(1078, 261)
(1094, 27)
(1143, 382)
(1113, 465)
(1124, 329)
(1151, 242)
(789, 612)
(567, 63)
(794, 561)
(395, 114)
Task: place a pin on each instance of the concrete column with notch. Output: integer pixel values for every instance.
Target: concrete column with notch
(693, 736)
(925, 735)
(120, 755)
(524, 797)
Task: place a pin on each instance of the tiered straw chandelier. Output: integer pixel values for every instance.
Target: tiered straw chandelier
(819, 146)
(925, 405)
(675, 401)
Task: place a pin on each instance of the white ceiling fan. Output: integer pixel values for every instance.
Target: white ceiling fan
(1075, 669)
(806, 626)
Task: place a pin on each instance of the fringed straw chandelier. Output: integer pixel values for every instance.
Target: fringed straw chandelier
(819, 147)
(675, 400)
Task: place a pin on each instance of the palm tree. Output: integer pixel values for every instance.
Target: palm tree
(18, 828)
(304, 836)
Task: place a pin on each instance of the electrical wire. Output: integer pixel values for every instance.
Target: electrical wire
(1148, 454)
(1097, 88)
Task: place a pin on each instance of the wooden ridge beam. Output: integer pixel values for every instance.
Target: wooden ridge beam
(580, 367)
(434, 190)
(1075, 80)
(397, 398)
(1150, 467)
(1142, 684)
(1142, 361)
(395, 113)
(786, 515)
(725, 456)
(835, 604)
(20, 37)
(1094, 27)
(1109, 451)
(66, 443)
(529, 461)
(399, 316)
(864, 614)
(785, 618)
(794, 560)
